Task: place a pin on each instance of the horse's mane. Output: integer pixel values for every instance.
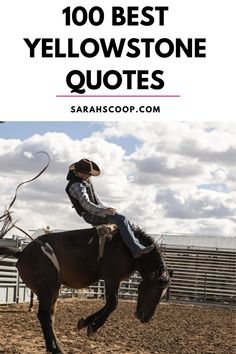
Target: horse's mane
(148, 264)
(142, 236)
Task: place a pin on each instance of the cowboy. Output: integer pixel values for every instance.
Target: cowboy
(87, 204)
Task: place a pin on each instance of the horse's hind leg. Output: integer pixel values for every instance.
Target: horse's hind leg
(31, 305)
(47, 299)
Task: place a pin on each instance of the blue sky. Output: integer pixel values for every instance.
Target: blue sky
(23, 130)
(75, 130)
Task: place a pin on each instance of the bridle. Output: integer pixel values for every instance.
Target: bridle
(162, 275)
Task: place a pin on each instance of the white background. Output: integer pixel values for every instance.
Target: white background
(28, 87)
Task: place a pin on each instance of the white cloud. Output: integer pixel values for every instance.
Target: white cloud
(179, 178)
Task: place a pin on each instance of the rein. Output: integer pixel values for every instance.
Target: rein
(6, 218)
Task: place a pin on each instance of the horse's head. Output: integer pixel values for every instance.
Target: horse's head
(156, 278)
(150, 292)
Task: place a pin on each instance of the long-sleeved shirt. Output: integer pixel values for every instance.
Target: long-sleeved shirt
(78, 190)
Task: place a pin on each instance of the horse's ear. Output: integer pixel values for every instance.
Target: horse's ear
(171, 272)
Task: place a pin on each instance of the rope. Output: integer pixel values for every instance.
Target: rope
(6, 218)
(32, 179)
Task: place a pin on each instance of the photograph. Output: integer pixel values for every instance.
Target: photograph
(130, 214)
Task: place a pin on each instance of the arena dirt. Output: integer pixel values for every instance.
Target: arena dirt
(175, 329)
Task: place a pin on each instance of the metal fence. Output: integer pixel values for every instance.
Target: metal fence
(128, 289)
(12, 288)
(202, 275)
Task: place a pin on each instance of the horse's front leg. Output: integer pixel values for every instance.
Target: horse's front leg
(96, 320)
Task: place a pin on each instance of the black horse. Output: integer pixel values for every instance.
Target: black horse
(77, 253)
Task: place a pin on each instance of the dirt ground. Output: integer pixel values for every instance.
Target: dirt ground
(175, 329)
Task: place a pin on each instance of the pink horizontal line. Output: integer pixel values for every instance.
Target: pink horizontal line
(115, 96)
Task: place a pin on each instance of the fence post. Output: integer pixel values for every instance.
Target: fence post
(205, 285)
(17, 288)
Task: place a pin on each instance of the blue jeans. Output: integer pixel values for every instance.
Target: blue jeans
(124, 227)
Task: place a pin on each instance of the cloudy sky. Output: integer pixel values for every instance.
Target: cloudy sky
(174, 177)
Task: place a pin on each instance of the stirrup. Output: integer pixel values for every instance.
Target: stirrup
(105, 232)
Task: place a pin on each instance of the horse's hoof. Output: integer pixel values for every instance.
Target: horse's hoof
(81, 324)
(90, 330)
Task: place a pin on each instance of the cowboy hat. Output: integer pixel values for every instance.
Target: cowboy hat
(86, 166)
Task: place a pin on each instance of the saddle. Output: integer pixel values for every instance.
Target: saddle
(105, 233)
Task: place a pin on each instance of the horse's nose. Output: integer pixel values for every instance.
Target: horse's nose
(142, 317)
(138, 314)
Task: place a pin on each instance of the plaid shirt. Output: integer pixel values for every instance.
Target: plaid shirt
(78, 191)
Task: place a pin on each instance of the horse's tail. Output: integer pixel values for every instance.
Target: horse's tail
(8, 251)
